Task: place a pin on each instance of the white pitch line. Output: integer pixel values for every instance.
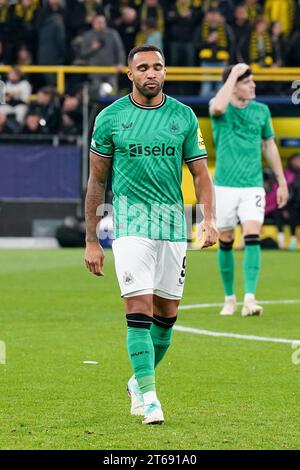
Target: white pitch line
(234, 335)
(263, 302)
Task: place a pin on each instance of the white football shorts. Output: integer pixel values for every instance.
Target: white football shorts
(239, 204)
(145, 266)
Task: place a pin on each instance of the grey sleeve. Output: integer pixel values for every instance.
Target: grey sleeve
(86, 50)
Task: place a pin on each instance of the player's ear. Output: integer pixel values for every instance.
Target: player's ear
(129, 75)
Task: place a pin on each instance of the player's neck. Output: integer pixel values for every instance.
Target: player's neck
(239, 103)
(144, 101)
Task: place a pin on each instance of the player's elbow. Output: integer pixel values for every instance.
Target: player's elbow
(217, 110)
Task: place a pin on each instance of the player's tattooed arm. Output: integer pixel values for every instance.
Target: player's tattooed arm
(95, 197)
(205, 195)
(272, 155)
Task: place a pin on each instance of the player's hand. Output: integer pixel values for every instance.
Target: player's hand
(239, 69)
(95, 45)
(208, 232)
(94, 258)
(282, 195)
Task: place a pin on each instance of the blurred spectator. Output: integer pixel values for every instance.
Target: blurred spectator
(47, 107)
(291, 212)
(4, 56)
(181, 24)
(24, 56)
(293, 51)
(152, 9)
(71, 119)
(278, 44)
(32, 124)
(6, 126)
(149, 34)
(128, 27)
(25, 17)
(294, 202)
(114, 9)
(297, 15)
(224, 6)
(6, 27)
(283, 11)
(214, 41)
(241, 29)
(254, 9)
(82, 15)
(260, 47)
(51, 37)
(102, 46)
(18, 91)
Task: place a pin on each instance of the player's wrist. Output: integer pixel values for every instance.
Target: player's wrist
(282, 181)
(210, 220)
(92, 241)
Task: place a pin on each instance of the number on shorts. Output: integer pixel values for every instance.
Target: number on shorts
(258, 200)
(182, 274)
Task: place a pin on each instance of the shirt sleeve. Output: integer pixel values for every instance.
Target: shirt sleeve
(101, 143)
(193, 146)
(267, 129)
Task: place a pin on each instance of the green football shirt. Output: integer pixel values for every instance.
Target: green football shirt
(238, 135)
(148, 146)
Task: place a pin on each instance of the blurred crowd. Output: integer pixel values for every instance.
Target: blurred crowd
(210, 33)
(191, 32)
(290, 214)
(48, 114)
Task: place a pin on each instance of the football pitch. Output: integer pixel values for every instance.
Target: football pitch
(217, 392)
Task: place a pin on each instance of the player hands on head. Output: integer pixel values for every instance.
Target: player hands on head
(144, 137)
(241, 127)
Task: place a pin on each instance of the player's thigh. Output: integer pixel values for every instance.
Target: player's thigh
(227, 200)
(170, 270)
(135, 263)
(252, 208)
(165, 307)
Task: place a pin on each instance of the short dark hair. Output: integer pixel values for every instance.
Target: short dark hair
(144, 48)
(227, 72)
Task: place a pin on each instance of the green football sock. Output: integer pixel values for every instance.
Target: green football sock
(226, 265)
(252, 263)
(140, 350)
(161, 333)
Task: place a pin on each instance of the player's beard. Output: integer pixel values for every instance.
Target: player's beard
(147, 92)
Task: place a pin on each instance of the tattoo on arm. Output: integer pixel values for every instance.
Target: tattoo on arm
(95, 196)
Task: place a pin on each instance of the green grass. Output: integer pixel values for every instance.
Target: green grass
(217, 393)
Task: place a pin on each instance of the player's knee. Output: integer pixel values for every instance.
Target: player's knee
(226, 236)
(226, 245)
(252, 239)
(139, 303)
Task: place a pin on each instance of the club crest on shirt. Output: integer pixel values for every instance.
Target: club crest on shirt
(174, 127)
(126, 126)
(128, 278)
